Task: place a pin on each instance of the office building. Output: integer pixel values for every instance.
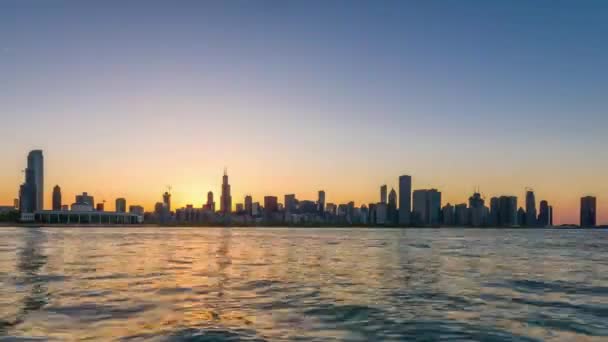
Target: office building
(521, 217)
(461, 215)
(248, 205)
(121, 205)
(57, 198)
(588, 212)
(100, 206)
(240, 208)
(167, 201)
(321, 202)
(427, 207)
(271, 205)
(226, 197)
(531, 214)
(494, 212)
(291, 204)
(136, 210)
(507, 214)
(85, 200)
(383, 194)
(477, 210)
(447, 215)
(544, 214)
(210, 205)
(35, 162)
(405, 200)
(392, 213)
(381, 213)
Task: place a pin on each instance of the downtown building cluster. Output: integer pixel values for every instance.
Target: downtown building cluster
(84, 209)
(404, 207)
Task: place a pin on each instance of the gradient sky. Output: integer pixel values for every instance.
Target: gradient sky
(296, 96)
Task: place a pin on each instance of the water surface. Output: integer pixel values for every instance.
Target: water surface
(303, 284)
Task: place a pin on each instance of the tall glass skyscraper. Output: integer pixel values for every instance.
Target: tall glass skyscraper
(35, 162)
(405, 200)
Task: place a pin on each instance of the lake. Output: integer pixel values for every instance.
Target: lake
(280, 284)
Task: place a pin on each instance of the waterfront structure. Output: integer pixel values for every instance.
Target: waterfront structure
(530, 220)
(136, 210)
(494, 212)
(427, 207)
(121, 205)
(100, 207)
(255, 209)
(226, 197)
(405, 200)
(383, 194)
(521, 217)
(381, 213)
(86, 217)
(249, 205)
(85, 200)
(240, 208)
(588, 212)
(56, 198)
(271, 205)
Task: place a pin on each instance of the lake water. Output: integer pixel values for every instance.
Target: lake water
(303, 284)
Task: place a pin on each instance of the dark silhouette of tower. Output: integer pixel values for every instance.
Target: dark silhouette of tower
(544, 214)
(321, 202)
(588, 211)
(530, 218)
(56, 198)
(405, 200)
(226, 198)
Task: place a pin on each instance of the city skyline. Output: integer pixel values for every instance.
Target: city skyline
(294, 98)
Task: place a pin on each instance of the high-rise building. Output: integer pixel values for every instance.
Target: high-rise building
(271, 205)
(392, 214)
(27, 193)
(210, 203)
(427, 207)
(136, 209)
(461, 215)
(226, 198)
(477, 210)
(507, 215)
(381, 213)
(85, 199)
(494, 212)
(167, 201)
(530, 209)
(383, 194)
(57, 198)
(291, 204)
(405, 200)
(551, 216)
(35, 162)
(521, 217)
(588, 211)
(240, 208)
(248, 205)
(544, 214)
(121, 205)
(321, 202)
(100, 206)
(447, 215)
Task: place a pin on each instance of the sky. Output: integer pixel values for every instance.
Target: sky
(127, 98)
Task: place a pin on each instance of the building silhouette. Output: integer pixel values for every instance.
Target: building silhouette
(477, 210)
(121, 205)
(57, 198)
(427, 207)
(210, 203)
(226, 198)
(167, 201)
(383, 194)
(530, 218)
(271, 205)
(544, 214)
(461, 215)
(248, 205)
(35, 162)
(507, 212)
(447, 215)
(405, 200)
(588, 212)
(392, 213)
(321, 203)
(291, 204)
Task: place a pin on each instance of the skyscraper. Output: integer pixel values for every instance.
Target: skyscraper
(167, 201)
(477, 210)
(507, 215)
(461, 215)
(210, 204)
(405, 200)
(271, 205)
(226, 198)
(494, 212)
(383, 194)
(321, 202)
(544, 214)
(447, 214)
(121, 205)
(248, 205)
(530, 209)
(427, 207)
(588, 211)
(291, 204)
(35, 162)
(56, 198)
(27, 193)
(392, 207)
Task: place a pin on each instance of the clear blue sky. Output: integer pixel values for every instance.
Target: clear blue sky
(497, 94)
